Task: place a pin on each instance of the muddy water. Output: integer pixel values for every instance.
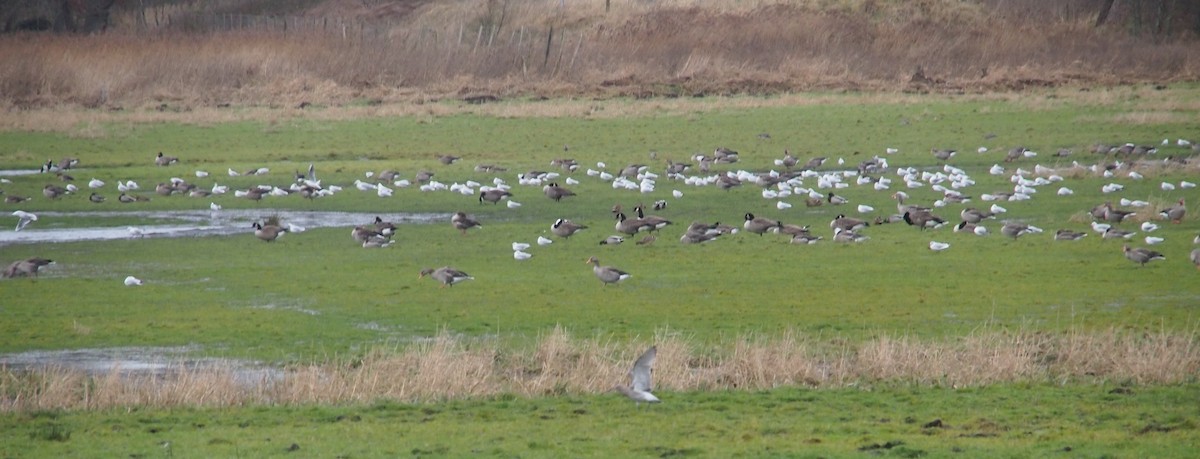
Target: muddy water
(191, 223)
(138, 362)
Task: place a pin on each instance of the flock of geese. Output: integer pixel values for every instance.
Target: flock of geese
(796, 180)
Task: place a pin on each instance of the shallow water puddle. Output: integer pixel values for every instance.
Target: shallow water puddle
(193, 223)
(138, 362)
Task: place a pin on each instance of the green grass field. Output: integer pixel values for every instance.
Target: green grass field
(318, 297)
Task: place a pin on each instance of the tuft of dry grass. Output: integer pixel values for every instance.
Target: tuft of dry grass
(450, 367)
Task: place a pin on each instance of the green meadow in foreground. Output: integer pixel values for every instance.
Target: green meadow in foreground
(316, 297)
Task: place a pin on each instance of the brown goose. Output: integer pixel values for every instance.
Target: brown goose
(1115, 215)
(1195, 256)
(565, 228)
(1176, 212)
(1113, 233)
(26, 268)
(363, 234)
(53, 191)
(847, 223)
(630, 226)
(901, 207)
(607, 274)
(1015, 230)
(555, 192)
(847, 236)
(1141, 255)
(1068, 235)
(446, 275)
(923, 219)
(942, 154)
(463, 222)
(163, 160)
(268, 233)
(973, 215)
(14, 199)
(448, 159)
(493, 195)
(655, 221)
(760, 225)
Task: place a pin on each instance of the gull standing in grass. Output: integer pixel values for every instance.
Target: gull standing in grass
(639, 385)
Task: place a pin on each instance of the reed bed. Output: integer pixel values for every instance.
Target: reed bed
(448, 367)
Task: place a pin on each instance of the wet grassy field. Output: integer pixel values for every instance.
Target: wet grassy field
(317, 296)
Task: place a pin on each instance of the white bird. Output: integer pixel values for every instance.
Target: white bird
(996, 170)
(1153, 240)
(1167, 186)
(863, 208)
(23, 219)
(131, 281)
(997, 209)
(517, 246)
(1186, 184)
(294, 228)
(1064, 191)
(544, 241)
(214, 206)
(982, 150)
(1111, 187)
(512, 204)
(1149, 227)
(95, 183)
(891, 151)
(233, 173)
(782, 205)
(640, 387)
(677, 194)
(363, 186)
(201, 174)
(383, 191)
(520, 255)
(1100, 227)
(72, 188)
(980, 230)
(1135, 175)
(938, 246)
(601, 164)
(136, 232)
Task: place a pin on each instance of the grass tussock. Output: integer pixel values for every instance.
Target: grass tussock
(641, 49)
(448, 367)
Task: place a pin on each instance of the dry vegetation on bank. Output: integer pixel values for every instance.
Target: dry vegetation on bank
(196, 57)
(447, 367)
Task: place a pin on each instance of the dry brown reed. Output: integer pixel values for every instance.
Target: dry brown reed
(448, 367)
(674, 48)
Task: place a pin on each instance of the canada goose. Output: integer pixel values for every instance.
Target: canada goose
(630, 226)
(555, 192)
(1195, 256)
(448, 159)
(14, 199)
(253, 194)
(699, 232)
(1176, 212)
(565, 228)
(565, 163)
(126, 198)
(1014, 230)
(965, 227)
(268, 233)
(759, 225)
(813, 202)
(942, 154)
(1113, 233)
(847, 223)
(384, 227)
(631, 170)
(794, 230)
(68, 163)
(377, 243)
(446, 275)
(923, 219)
(973, 215)
(53, 191)
(1141, 255)
(654, 221)
(163, 160)
(96, 198)
(805, 239)
(639, 386)
(26, 268)
(612, 240)
(606, 274)
(164, 189)
(647, 240)
(846, 236)
(725, 182)
(493, 195)
(462, 222)
(725, 155)
(23, 219)
(836, 200)
(1068, 235)
(813, 163)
